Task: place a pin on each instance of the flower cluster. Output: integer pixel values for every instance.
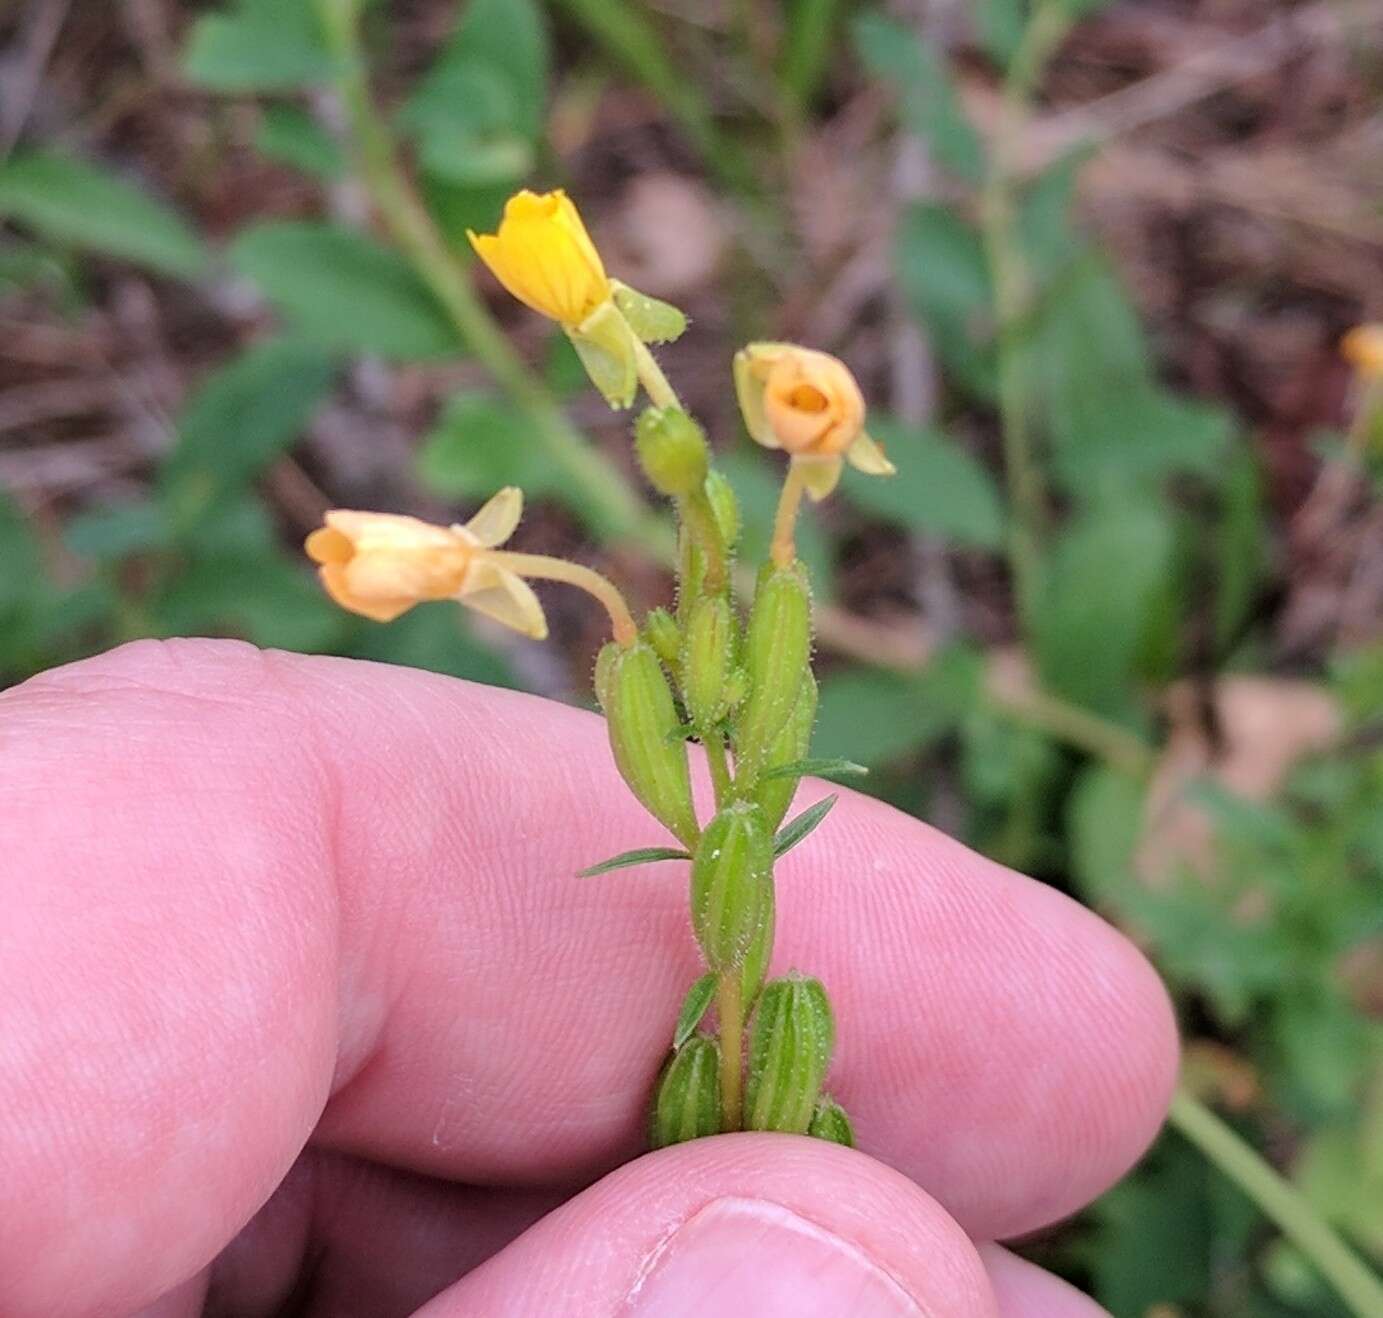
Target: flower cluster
(739, 682)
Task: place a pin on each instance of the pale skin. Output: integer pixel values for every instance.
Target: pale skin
(297, 989)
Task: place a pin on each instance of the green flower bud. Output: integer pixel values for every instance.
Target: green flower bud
(731, 885)
(643, 724)
(672, 451)
(725, 507)
(663, 634)
(604, 667)
(775, 795)
(736, 687)
(686, 1101)
(829, 1122)
(777, 651)
(789, 1050)
(706, 655)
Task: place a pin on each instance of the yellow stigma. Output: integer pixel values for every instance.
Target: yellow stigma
(543, 255)
(1362, 348)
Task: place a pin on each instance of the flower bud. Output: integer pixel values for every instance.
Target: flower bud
(774, 796)
(725, 506)
(663, 634)
(829, 1122)
(686, 1101)
(672, 451)
(777, 652)
(706, 655)
(789, 1051)
(731, 885)
(643, 725)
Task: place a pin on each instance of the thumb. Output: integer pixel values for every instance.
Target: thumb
(768, 1225)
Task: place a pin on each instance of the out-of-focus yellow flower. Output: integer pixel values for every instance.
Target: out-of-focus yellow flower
(380, 564)
(543, 255)
(1362, 348)
(808, 404)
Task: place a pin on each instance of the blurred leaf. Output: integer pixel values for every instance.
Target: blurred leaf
(108, 534)
(1241, 540)
(945, 281)
(479, 110)
(1000, 24)
(294, 137)
(939, 487)
(1104, 822)
(1112, 426)
(876, 716)
(257, 46)
(911, 65)
(250, 411)
(21, 564)
(808, 45)
(70, 201)
(757, 481)
(438, 638)
(25, 266)
(1101, 580)
(345, 290)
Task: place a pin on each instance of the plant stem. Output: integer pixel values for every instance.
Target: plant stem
(614, 505)
(730, 1007)
(784, 547)
(543, 568)
(1008, 269)
(1280, 1201)
(719, 764)
(655, 384)
(699, 518)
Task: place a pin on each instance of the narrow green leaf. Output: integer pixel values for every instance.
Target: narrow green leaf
(821, 767)
(294, 137)
(70, 201)
(799, 828)
(693, 1009)
(640, 856)
(345, 290)
(939, 488)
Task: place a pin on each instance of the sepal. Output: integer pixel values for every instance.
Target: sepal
(686, 1100)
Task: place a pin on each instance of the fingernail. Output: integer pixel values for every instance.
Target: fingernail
(747, 1256)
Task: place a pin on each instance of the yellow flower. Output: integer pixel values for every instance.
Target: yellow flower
(1362, 348)
(543, 255)
(808, 404)
(380, 564)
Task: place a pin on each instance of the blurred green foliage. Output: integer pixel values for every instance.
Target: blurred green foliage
(1152, 571)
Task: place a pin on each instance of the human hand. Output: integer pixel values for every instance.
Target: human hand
(306, 931)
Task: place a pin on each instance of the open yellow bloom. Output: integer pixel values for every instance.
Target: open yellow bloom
(380, 564)
(1362, 348)
(543, 255)
(808, 404)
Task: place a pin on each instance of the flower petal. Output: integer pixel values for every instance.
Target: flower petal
(500, 594)
(820, 475)
(749, 389)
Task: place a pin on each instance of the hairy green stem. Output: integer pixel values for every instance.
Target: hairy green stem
(1280, 1201)
(730, 1007)
(719, 764)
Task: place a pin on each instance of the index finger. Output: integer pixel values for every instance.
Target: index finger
(252, 894)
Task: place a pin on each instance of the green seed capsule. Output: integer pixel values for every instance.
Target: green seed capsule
(706, 655)
(725, 507)
(792, 743)
(777, 651)
(664, 635)
(686, 1101)
(731, 885)
(829, 1122)
(672, 451)
(789, 1050)
(643, 725)
(604, 668)
(760, 952)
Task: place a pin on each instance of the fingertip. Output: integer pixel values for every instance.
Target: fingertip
(1023, 1290)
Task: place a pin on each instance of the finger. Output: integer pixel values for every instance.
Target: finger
(237, 885)
(1023, 1290)
(743, 1224)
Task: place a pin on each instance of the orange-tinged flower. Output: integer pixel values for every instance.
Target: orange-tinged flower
(543, 255)
(380, 565)
(1362, 348)
(808, 404)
